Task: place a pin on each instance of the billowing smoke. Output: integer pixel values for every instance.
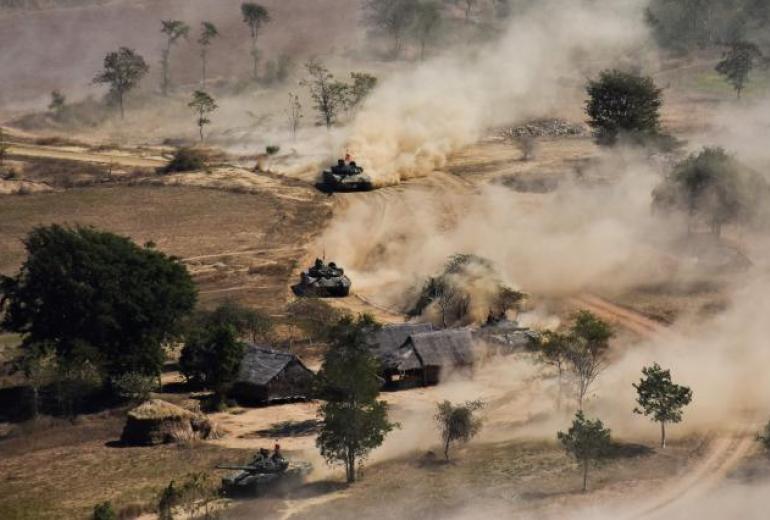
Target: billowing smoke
(416, 119)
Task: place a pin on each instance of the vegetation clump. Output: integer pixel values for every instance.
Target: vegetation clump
(623, 105)
(587, 441)
(185, 160)
(353, 421)
(712, 186)
(469, 288)
(660, 398)
(458, 423)
(95, 299)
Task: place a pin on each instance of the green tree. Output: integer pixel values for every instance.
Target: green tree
(58, 102)
(208, 33)
(329, 96)
(737, 63)
(96, 298)
(621, 103)
(392, 18)
(586, 441)
(360, 88)
(212, 357)
(713, 186)
(203, 104)
(661, 399)
(586, 352)
(250, 323)
(458, 423)
(173, 30)
(316, 318)
(123, 70)
(254, 16)
(353, 421)
(134, 387)
(427, 19)
(104, 511)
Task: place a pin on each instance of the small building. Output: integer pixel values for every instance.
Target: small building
(389, 338)
(425, 357)
(504, 337)
(268, 375)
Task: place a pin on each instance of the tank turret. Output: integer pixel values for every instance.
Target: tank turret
(323, 281)
(345, 176)
(264, 473)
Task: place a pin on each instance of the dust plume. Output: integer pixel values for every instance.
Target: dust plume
(588, 234)
(416, 119)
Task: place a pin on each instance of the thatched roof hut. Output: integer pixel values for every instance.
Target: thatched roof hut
(389, 338)
(267, 375)
(158, 422)
(425, 356)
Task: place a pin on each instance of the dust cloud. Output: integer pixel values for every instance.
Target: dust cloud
(415, 119)
(585, 235)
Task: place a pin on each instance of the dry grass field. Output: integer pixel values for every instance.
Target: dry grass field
(237, 245)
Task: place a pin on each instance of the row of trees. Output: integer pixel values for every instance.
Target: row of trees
(422, 21)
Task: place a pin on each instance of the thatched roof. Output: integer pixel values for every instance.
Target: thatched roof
(452, 347)
(390, 338)
(157, 409)
(260, 365)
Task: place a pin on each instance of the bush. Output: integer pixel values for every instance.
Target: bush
(185, 160)
(104, 511)
(623, 104)
(211, 357)
(272, 149)
(134, 386)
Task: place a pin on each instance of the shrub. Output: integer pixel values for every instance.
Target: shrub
(104, 511)
(272, 149)
(623, 104)
(185, 160)
(134, 386)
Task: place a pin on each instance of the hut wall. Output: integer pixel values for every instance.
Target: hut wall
(293, 381)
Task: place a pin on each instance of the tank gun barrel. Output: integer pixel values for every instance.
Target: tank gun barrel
(237, 467)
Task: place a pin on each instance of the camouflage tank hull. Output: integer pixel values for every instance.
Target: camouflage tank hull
(345, 176)
(250, 482)
(337, 287)
(323, 281)
(331, 182)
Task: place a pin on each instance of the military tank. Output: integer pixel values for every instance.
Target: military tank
(345, 176)
(323, 281)
(263, 474)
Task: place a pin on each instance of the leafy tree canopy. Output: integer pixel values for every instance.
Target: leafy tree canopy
(458, 423)
(621, 103)
(94, 296)
(713, 186)
(354, 422)
(587, 441)
(660, 398)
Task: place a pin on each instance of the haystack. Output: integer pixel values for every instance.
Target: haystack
(159, 422)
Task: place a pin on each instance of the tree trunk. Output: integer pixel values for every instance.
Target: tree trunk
(35, 401)
(255, 58)
(203, 69)
(558, 395)
(350, 466)
(120, 101)
(585, 475)
(422, 50)
(662, 434)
